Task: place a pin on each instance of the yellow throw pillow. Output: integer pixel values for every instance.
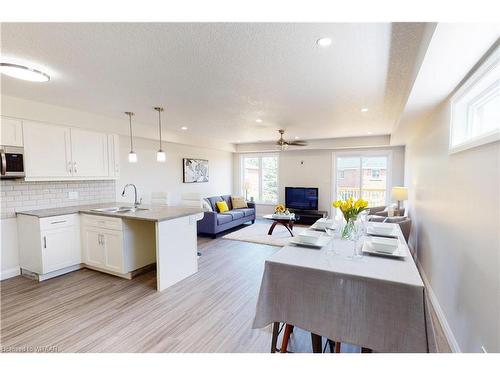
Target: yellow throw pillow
(222, 206)
(239, 202)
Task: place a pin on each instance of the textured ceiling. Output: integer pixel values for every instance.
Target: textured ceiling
(218, 78)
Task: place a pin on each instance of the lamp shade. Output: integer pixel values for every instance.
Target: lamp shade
(399, 193)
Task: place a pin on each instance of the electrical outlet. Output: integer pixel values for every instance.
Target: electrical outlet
(483, 349)
(73, 195)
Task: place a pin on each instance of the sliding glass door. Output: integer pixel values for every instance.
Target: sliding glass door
(362, 175)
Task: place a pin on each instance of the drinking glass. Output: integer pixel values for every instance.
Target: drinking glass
(330, 231)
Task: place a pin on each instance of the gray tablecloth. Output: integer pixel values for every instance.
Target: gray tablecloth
(375, 302)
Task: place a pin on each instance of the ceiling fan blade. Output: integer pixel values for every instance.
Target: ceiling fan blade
(298, 143)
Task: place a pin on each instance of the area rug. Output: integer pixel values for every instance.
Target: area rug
(257, 233)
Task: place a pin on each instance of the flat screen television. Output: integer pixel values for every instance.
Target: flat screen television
(301, 198)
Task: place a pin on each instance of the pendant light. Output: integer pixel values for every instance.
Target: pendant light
(161, 156)
(132, 156)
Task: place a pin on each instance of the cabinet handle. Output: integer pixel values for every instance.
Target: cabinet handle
(99, 239)
(58, 222)
(74, 167)
(69, 167)
(44, 242)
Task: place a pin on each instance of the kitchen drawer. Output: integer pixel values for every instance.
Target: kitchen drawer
(104, 222)
(56, 222)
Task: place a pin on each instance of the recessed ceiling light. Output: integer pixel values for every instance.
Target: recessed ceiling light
(184, 127)
(364, 109)
(369, 133)
(238, 141)
(324, 42)
(258, 120)
(23, 72)
(297, 137)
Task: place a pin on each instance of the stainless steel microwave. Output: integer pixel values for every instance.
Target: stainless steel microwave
(12, 163)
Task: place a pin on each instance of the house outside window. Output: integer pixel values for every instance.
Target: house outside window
(259, 177)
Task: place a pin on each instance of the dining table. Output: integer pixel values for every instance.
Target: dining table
(372, 301)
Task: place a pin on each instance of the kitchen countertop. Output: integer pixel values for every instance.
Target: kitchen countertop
(153, 213)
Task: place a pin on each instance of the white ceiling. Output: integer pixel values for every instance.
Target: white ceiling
(218, 78)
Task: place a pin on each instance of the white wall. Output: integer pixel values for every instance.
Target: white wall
(313, 168)
(151, 176)
(454, 205)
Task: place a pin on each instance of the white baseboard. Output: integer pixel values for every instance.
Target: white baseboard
(8, 273)
(450, 337)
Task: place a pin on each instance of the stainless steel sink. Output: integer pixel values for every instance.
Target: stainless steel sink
(119, 209)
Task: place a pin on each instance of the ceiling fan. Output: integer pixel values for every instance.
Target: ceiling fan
(283, 145)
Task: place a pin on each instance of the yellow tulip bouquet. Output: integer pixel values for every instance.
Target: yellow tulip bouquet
(279, 209)
(350, 210)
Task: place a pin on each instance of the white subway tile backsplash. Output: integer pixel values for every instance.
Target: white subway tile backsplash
(19, 195)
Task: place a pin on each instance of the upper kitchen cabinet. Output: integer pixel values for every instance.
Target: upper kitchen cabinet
(11, 131)
(54, 152)
(89, 152)
(47, 151)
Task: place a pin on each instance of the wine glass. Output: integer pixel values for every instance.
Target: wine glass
(356, 235)
(330, 232)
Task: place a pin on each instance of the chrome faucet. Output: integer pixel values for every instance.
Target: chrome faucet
(136, 201)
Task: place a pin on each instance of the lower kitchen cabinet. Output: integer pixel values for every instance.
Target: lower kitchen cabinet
(49, 246)
(103, 248)
(117, 246)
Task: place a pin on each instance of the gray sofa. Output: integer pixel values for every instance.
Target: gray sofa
(215, 222)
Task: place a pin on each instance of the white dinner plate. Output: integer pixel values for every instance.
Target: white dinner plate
(321, 242)
(400, 252)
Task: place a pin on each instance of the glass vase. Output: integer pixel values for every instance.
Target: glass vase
(349, 229)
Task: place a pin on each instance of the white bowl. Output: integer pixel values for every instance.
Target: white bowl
(323, 223)
(309, 237)
(386, 245)
(382, 228)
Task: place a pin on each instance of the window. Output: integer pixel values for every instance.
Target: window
(475, 108)
(364, 176)
(375, 174)
(259, 177)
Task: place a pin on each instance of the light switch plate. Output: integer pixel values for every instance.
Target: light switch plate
(73, 195)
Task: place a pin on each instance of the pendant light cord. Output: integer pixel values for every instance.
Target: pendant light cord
(130, 114)
(159, 124)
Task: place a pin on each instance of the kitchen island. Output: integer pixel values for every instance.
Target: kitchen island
(111, 238)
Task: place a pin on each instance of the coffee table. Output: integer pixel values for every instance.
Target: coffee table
(287, 222)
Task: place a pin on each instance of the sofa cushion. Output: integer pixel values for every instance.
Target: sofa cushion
(235, 214)
(238, 202)
(213, 201)
(224, 218)
(222, 207)
(227, 198)
(246, 211)
(206, 206)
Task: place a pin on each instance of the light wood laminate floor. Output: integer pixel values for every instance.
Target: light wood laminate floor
(88, 311)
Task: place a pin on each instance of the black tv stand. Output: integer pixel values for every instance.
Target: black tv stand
(308, 217)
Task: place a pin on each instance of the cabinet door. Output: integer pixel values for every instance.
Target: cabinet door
(11, 131)
(47, 150)
(60, 249)
(113, 155)
(112, 242)
(93, 251)
(89, 151)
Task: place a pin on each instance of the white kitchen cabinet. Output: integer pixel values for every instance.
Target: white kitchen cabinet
(54, 152)
(11, 131)
(89, 153)
(102, 241)
(49, 246)
(117, 246)
(47, 150)
(113, 155)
